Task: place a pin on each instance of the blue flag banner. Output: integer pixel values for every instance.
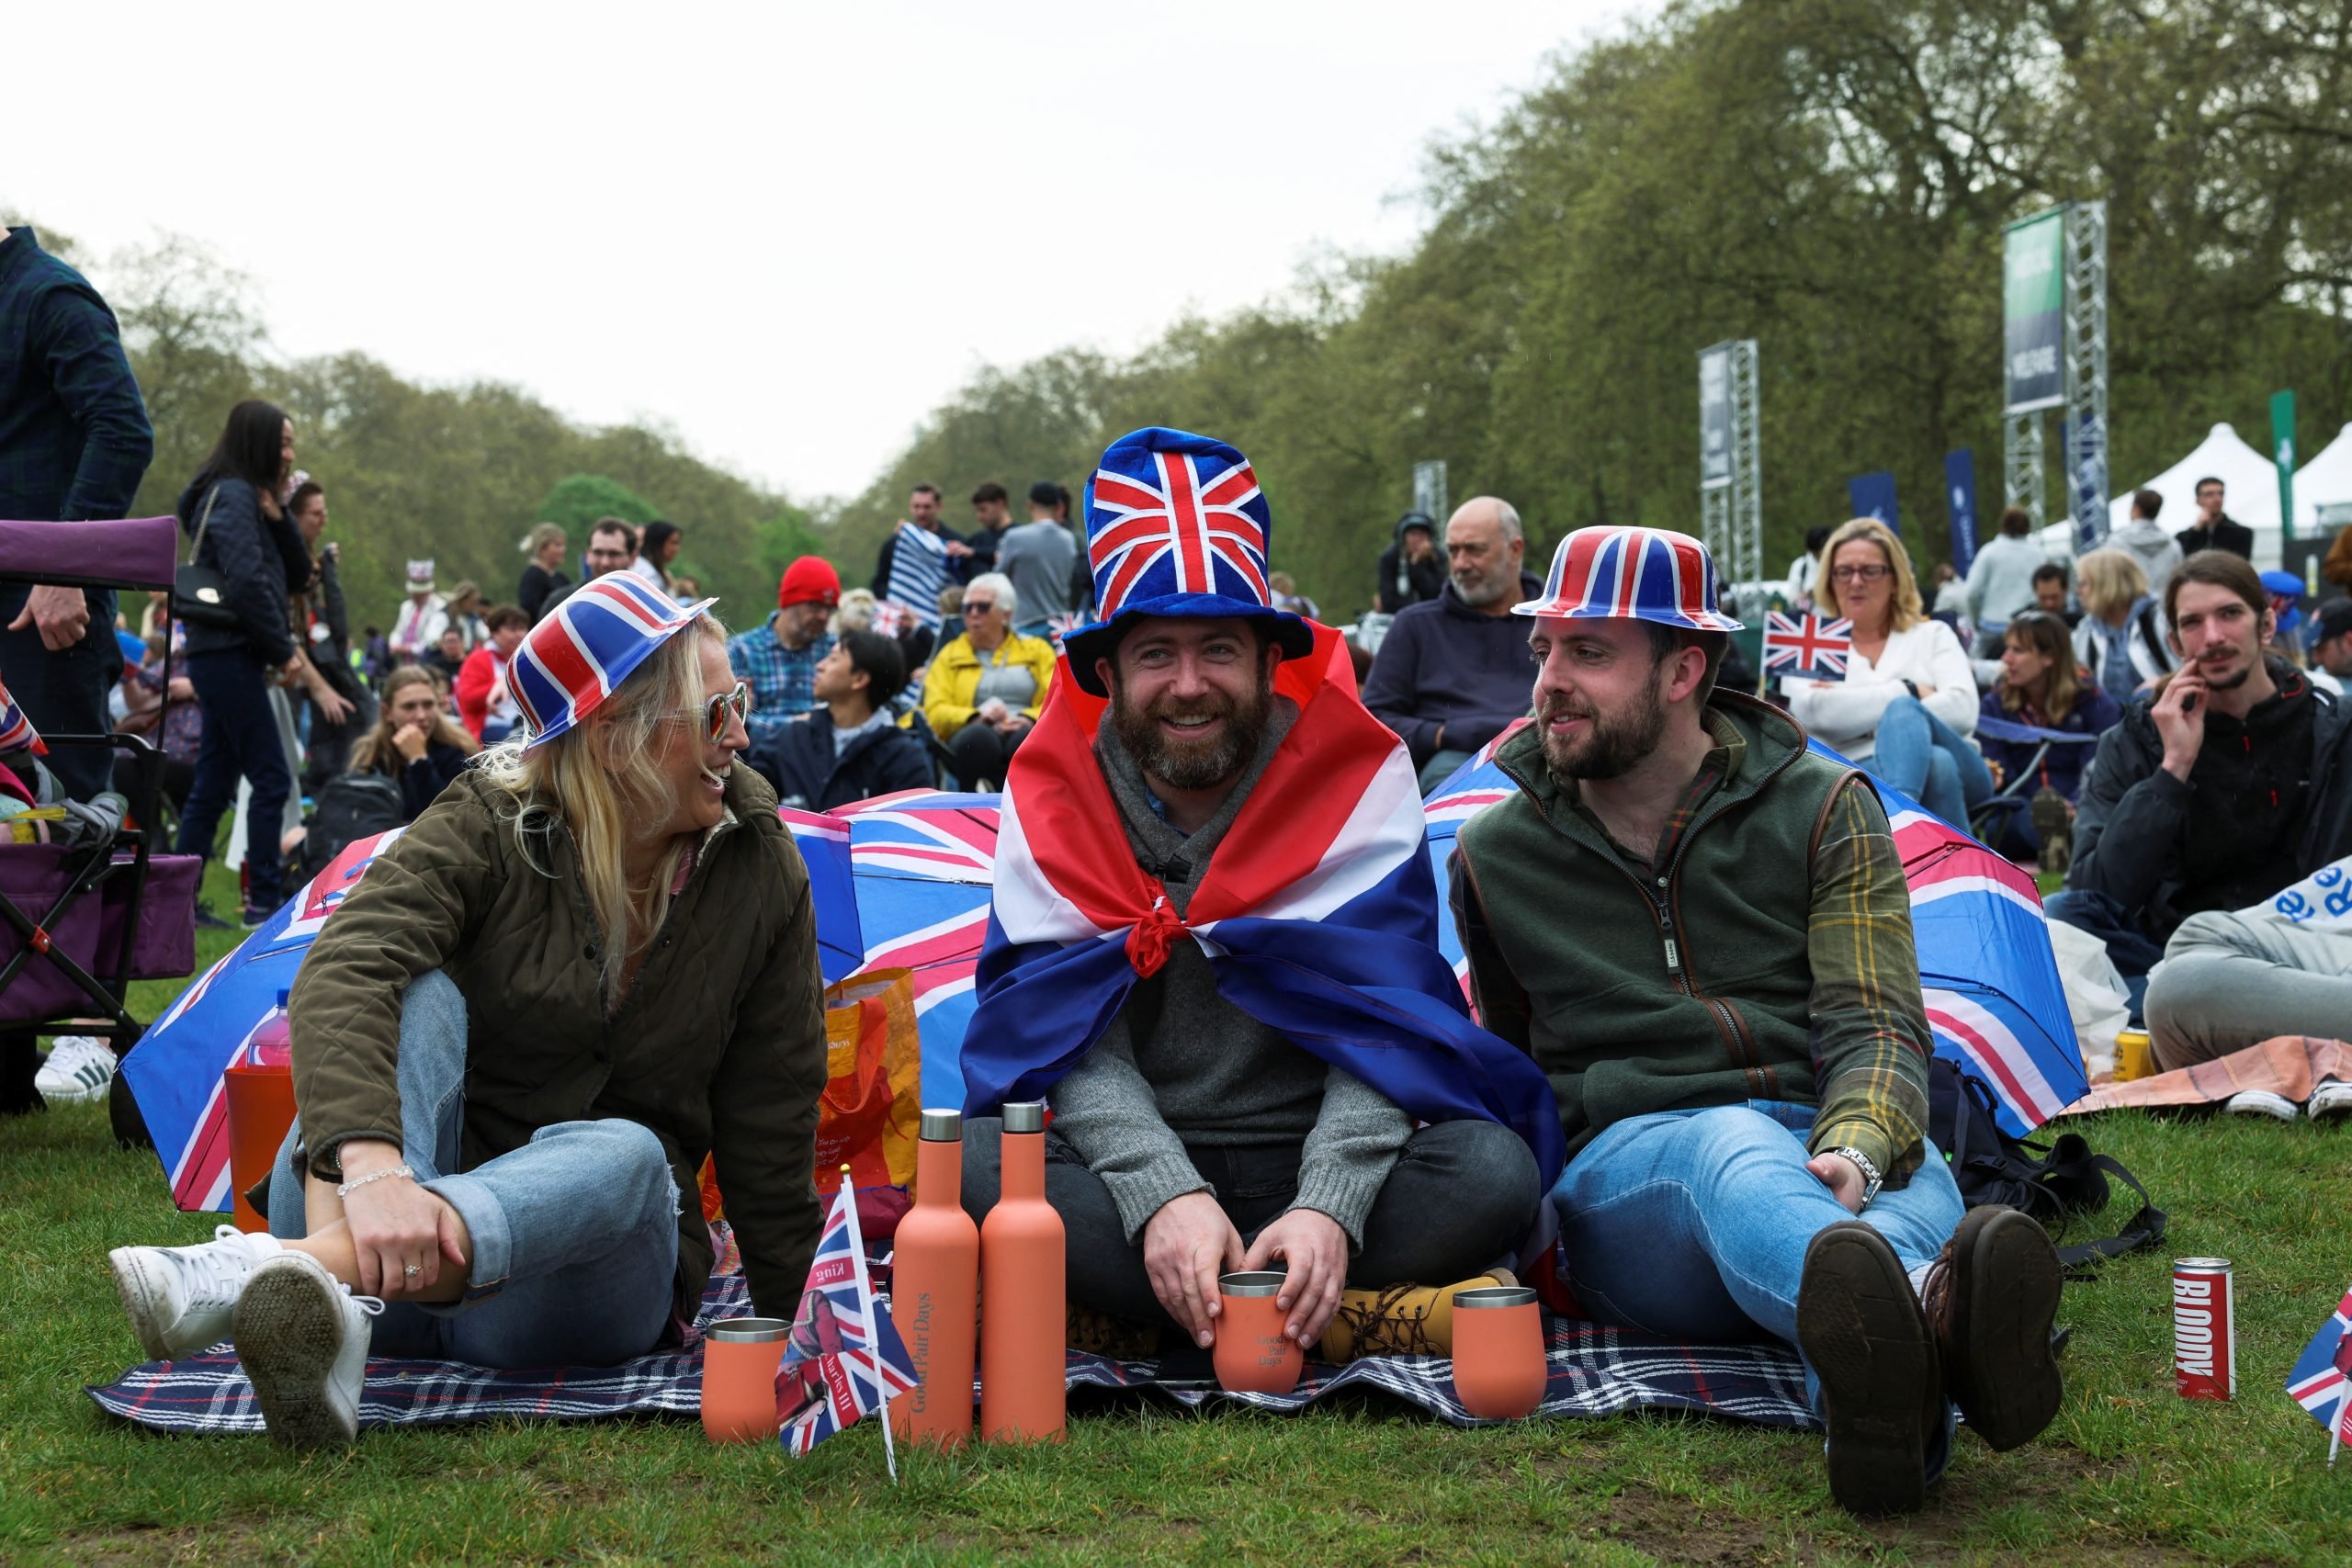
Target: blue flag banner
(1960, 496)
(1872, 495)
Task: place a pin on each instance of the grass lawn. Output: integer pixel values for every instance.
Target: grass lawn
(2128, 1472)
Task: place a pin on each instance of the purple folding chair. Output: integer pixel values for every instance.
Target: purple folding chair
(80, 921)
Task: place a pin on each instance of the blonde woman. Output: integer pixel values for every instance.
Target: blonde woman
(546, 547)
(1908, 703)
(592, 964)
(415, 743)
(2121, 638)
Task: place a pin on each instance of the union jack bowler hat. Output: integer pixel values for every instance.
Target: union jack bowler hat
(1175, 525)
(1636, 574)
(584, 647)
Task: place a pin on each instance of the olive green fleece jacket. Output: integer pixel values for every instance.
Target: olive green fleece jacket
(718, 1047)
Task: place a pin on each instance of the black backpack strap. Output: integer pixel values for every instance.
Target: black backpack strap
(2146, 1229)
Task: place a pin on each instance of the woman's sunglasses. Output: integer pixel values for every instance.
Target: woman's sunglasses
(735, 705)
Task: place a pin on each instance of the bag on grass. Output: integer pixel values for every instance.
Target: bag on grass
(350, 807)
(2055, 1182)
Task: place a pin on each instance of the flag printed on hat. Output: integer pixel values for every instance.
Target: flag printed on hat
(1640, 574)
(419, 577)
(2323, 1376)
(1813, 646)
(17, 731)
(587, 646)
(844, 1360)
(1170, 521)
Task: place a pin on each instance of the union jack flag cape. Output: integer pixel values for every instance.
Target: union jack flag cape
(2323, 1376)
(1318, 912)
(843, 1358)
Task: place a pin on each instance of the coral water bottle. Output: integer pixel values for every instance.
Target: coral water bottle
(273, 1044)
(1024, 1313)
(934, 1291)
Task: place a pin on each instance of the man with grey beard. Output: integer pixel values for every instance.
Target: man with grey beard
(1454, 671)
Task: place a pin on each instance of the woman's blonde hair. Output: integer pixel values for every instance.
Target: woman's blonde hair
(2110, 582)
(856, 614)
(373, 751)
(596, 780)
(541, 535)
(1903, 611)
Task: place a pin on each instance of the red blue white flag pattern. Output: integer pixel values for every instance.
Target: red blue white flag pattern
(2322, 1376)
(587, 646)
(1177, 535)
(844, 1359)
(17, 731)
(1808, 646)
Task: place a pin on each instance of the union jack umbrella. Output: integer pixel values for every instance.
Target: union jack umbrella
(2323, 1376)
(174, 1070)
(1987, 972)
(17, 731)
(902, 882)
(1811, 646)
(844, 1359)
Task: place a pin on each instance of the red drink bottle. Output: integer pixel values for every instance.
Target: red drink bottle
(934, 1291)
(1023, 1323)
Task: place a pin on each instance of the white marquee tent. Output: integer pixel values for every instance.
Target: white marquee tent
(2327, 478)
(2252, 493)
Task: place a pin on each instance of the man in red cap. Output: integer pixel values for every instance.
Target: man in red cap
(777, 658)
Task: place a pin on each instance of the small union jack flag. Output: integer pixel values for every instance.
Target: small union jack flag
(1168, 529)
(843, 1358)
(1807, 646)
(17, 731)
(2322, 1377)
(1061, 626)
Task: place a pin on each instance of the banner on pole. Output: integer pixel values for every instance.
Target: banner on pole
(2033, 312)
(1872, 495)
(1714, 417)
(1960, 497)
(1429, 491)
(2282, 452)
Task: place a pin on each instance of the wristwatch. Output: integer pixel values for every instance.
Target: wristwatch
(1871, 1179)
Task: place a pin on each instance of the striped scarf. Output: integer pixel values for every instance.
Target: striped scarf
(918, 571)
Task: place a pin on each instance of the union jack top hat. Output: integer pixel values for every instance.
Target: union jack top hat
(1640, 574)
(584, 647)
(1175, 525)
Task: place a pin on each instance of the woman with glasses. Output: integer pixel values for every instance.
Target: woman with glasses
(1908, 703)
(591, 964)
(987, 687)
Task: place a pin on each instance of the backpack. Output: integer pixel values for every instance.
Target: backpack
(2055, 1182)
(351, 807)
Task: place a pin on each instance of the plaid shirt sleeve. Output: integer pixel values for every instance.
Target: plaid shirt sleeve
(1870, 1026)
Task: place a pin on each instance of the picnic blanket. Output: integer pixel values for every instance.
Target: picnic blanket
(2290, 1065)
(1594, 1371)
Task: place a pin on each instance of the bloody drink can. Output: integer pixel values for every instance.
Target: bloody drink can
(2204, 1329)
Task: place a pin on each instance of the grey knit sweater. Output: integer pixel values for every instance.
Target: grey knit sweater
(1181, 1065)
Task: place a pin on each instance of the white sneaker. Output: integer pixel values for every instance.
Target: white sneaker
(80, 1067)
(2331, 1101)
(2262, 1102)
(302, 1337)
(179, 1298)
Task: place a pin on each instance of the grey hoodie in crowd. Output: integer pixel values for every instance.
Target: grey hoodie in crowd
(2156, 551)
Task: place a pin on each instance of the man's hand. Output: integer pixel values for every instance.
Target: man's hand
(1316, 1250)
(1185, 1247)
(1842, 1177)
(2180, 721)
(396, 1224)
(62, 614)
(956, 548)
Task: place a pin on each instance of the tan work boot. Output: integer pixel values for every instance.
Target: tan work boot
(1399, 1320)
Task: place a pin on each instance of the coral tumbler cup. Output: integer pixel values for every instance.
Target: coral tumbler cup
(1253, 1355)
(739, 1357)
(1498, 1362)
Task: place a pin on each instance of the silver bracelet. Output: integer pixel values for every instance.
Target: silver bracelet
(346, 1188)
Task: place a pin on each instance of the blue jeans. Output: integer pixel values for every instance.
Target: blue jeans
(575, 1235)
(241, 740)
(1928, 760)
(1694, 1224)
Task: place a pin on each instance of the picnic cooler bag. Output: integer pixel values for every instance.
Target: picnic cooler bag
(162, 946)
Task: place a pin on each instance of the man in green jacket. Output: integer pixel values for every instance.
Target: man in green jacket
(1700, 931)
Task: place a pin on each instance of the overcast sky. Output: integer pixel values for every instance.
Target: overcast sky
(785, 230)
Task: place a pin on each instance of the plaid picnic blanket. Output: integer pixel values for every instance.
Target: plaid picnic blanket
(1594, 1371)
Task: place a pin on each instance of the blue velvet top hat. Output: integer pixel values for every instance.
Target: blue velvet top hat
(1175, 525)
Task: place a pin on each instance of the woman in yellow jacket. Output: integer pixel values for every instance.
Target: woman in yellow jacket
(986, 688)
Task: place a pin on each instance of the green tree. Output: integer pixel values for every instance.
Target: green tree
(579, 501)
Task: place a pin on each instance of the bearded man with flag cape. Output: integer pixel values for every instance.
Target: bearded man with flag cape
(1213, 950)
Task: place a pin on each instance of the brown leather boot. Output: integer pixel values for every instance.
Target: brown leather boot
(1991, 1297)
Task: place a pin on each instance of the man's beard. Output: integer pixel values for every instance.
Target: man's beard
(1481, 590)
(1611, 745)
(1193, 765)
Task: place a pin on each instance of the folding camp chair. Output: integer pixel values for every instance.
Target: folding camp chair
(1989, 818)
(80, 920)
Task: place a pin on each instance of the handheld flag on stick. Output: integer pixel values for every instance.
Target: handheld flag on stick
(2323, 1376)
(17, 731)
(1807, 646)
(844, 1360)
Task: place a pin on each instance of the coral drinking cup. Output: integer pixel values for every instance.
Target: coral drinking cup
(739, 1357)
(1499, 1361)
(1253, 1355)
